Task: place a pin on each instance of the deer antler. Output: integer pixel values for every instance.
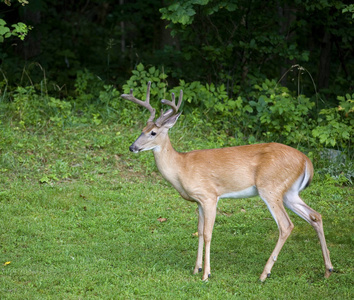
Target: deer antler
(145, 103)
(171, 112)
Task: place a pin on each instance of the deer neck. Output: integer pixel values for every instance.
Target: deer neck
(167, 160)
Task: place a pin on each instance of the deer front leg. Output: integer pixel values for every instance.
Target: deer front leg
(209, 212)
(199, 261)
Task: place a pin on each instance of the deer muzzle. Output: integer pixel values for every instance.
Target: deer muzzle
(133, 148)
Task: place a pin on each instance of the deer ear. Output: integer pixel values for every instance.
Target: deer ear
(171, 121)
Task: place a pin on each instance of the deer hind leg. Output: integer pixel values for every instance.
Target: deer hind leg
(285, 226)
(206, 220)
(293, 201)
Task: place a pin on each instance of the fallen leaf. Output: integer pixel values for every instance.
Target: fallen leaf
(227, 214)
(7, 263)
(195, 233)
(161, 219)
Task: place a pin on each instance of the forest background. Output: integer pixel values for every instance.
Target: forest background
(261, 71)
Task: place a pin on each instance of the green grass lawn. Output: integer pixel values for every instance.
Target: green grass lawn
(80, 220)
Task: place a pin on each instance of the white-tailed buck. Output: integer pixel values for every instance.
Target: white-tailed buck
(275, 172)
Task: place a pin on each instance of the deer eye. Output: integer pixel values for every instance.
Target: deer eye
(153, 133)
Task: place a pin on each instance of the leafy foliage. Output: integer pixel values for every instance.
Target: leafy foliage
(266, 111)
(19, 29)
(232, 40)
(138, 81)
(279, 115)
(219, 42)
(336, 125)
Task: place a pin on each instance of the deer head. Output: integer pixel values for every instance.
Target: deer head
(155, 132)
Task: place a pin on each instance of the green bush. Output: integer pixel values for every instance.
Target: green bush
(336, 125)
(138, 82)
(29, 108)
(19, 30)
(277, 115)
(87, 87)
(265, 112)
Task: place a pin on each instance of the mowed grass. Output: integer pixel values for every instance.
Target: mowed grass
(80, 219)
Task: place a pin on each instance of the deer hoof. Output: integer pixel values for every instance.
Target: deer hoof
(200, 269)
(264, 277)
(328, 273)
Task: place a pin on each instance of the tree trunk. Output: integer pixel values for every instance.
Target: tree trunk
(325, 61)
(32, 44)
(287, 15)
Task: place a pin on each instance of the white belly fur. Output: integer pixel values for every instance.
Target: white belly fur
(246, 193)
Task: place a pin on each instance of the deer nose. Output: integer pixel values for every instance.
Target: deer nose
(134, 148)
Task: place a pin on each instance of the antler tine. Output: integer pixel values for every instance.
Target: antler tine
(180, 99)
(171, 112)
(145, 103)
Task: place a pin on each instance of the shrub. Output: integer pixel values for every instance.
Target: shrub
(336, 125)
(265, 112)
(277, 115)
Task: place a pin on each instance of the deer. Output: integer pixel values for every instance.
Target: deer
(273, 171)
